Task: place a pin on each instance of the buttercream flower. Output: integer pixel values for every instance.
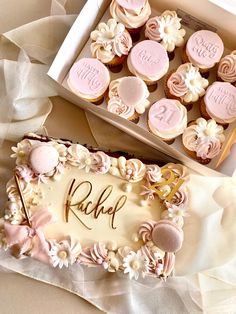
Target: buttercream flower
(13, 212)
(41, 178)
(176, 211)
(25, 173)
(64, 253)
(62, 151)
(166, 29)
(147, 192)
(112, 261)
(21, 152)
(135, 264)
(80, 157)
(132, 170)
(100, 162)
(122, 44)
(153, 173)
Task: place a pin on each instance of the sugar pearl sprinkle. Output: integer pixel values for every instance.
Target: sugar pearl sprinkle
(143, 203)
(127, 187)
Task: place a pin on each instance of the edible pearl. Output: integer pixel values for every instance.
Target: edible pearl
(135, 265)
(143, 203)
(193, 82)
(127, 187)
(168, 29)
(135, 237)
(21, 153)
(62, 254)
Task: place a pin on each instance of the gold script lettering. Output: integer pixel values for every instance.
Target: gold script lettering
(87, 207)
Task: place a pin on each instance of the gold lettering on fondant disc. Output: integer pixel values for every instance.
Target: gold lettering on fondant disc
(172, 178)
(75, 202)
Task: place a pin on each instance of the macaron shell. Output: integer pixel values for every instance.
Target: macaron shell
(167, 236)
(43, 158)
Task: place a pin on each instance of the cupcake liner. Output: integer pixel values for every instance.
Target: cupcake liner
(194, 156)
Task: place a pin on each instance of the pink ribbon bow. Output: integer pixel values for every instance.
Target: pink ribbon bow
(25, 238)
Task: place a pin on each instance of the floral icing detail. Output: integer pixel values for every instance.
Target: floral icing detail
(166, 29)
(101, 162)
(147, 192)
(154, 258)
(175, 214)
(25, 173)
(79, 156)
(96, 255)
(13, 193)
(110, 40)
(133, 170)
(153, 173)
(135, 264)
(204, 137)
(13, 212)
(64, 253)
(21, 152)
(187, 83)
(112, 262)
(145, 230)
(227, 68)
(179, 199)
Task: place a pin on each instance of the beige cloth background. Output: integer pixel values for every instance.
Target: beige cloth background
(24, 295)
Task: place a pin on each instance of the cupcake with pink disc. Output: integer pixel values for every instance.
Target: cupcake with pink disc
(149, 61)
(128, 98)
(133, 14)
(167, 119)
(89, 79)
(204, 50)
(219, 103)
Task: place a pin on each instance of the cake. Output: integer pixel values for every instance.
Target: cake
(89, 79)
(133, 14)
(227, 68)
(204, 49)
(111, 43)
(185, 84)
(128, 97)
(68, 204)
(219, 103)
(149, 61)
(203, 140)
(166, 29)
(167, 118)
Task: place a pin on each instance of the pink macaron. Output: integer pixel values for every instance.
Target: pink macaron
(167, 236)
(43, 158)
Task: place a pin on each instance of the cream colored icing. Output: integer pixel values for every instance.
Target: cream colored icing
(204, 137)
(116, 106)
(166, 29)
(139, 103)
(187, 83)
(227, 68)
(110, 40)
(130, 18)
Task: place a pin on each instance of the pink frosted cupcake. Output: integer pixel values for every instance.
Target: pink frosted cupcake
(128, 97)
(89, 79)
(167, 119)
(219, 103)
(133, 14)
(203, 140)
(227, 68)
(149, 61)
(111, 43)
(186, 84)
(166, 29)
(204, 49)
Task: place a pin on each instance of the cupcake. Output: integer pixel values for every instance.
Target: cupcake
(166, 29)
(128, 97)
(149, 61)
(133, 14)
(89, 79)
(186, 84)
(227, 68)
(219, 103)
(167, 118)
(204, 49)
(203, 139)
(111, 43)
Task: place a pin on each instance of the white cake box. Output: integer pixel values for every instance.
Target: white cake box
(77, 45)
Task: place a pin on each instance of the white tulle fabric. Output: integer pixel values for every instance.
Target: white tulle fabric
(205, 269)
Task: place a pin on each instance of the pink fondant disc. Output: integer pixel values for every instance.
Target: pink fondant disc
(205, 48)
(131, 90)
(220, 100)
(164, 114)
(167, 236)
(131, 4)
(89, 76)
(43, 158)
(149, 58)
